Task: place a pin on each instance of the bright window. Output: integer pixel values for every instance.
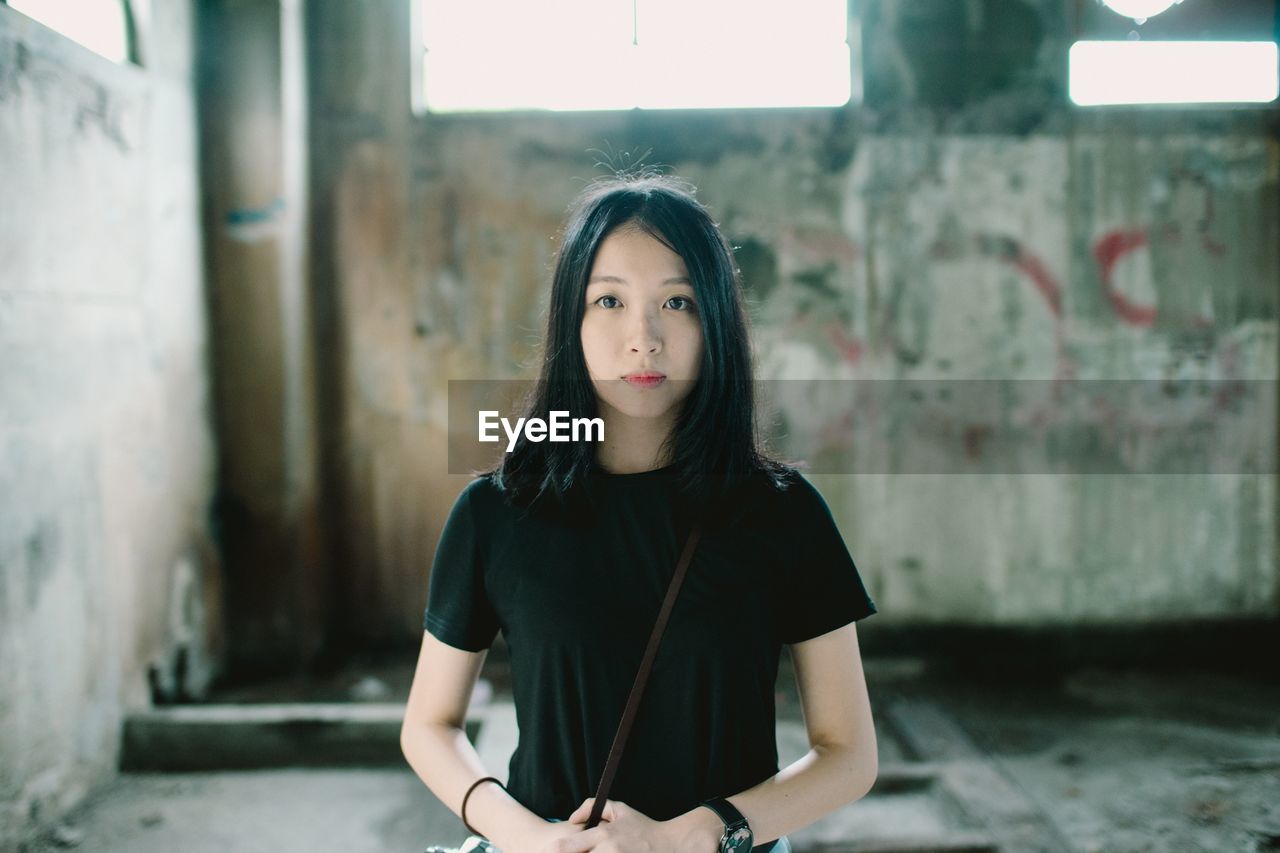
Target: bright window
(621, 54)
(1173, 72)
(100, 25)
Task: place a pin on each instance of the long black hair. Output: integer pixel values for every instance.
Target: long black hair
(715, 446)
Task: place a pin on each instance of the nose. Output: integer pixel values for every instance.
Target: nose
(644, 335)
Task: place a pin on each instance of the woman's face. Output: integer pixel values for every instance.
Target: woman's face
(640, 318)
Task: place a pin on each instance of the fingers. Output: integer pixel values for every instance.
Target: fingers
(582, 812)
(582, 842)
(613, 809)
(589, 839)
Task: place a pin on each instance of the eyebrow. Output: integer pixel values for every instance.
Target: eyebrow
(613, 279)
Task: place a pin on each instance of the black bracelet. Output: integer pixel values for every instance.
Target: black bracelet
(474, 784)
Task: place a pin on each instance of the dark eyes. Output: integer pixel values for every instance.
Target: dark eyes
(686, 304)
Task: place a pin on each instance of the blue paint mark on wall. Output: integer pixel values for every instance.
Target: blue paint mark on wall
(250, 216)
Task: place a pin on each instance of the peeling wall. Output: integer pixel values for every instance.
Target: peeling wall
(963, 222)
(108, 583)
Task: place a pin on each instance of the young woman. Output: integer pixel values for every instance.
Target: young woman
(568, 549)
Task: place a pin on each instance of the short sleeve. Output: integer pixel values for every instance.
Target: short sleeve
(820, 588)
(459, 611)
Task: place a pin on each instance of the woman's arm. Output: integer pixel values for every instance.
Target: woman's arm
(435, 744)
(839, 769)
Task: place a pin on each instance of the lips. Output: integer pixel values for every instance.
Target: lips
(646, 379)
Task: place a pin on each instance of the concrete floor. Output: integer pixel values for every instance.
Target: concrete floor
(1127, 761)
(1085, 760)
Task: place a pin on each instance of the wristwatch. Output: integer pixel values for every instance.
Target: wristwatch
(737, 834)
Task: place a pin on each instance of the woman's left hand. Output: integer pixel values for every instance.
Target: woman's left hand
(622, 829)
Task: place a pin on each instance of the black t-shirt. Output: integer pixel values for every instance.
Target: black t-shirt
(577, 605)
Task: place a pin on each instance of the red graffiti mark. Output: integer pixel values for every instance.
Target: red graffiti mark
(1013, 253)
(849, 347)
(1030, 265)
(1109, 249)
(1114, 245)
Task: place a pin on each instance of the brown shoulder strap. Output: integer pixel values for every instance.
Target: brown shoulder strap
(646, 663)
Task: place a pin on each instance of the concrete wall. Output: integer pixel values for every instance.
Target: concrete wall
(963, 222)
(106, 453)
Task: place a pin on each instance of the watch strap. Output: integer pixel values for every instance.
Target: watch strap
(733, 819)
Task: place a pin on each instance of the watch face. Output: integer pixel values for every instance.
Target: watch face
(739, 841)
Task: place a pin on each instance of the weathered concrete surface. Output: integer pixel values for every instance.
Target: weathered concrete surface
(106, 452)
(959, 226)
(1086, 760)
(269, 810)
(1124, 760)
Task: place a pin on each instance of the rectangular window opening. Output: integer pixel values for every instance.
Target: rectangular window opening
(625, 54)
(1173, 72)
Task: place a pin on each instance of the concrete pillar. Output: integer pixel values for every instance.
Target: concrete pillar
(253, 132)
(377, 499)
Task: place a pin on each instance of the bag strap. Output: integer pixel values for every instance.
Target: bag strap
(646, 663)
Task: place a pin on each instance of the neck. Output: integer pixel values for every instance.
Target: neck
(632, 445)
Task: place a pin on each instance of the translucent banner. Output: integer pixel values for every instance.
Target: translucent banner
(842, 426)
